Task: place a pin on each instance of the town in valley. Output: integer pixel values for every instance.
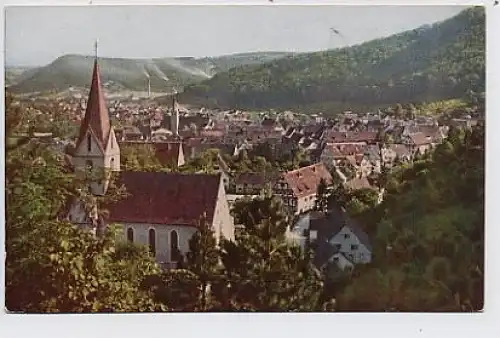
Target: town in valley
(235, 191)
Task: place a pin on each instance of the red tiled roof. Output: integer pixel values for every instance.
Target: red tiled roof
(359, 183)
(305, 181)
(346, 137)
(419, 139)
(166, 198)
(96, 115)
(343, 150)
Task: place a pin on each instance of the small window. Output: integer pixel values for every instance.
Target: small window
(89, 143)
(130, 235)
(346, 236)
(112, 162)
(152, 241)
(336, 259)
(89, 166)
(354, 247)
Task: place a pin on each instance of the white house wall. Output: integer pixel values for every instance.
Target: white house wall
(306, 203)
(360, 255)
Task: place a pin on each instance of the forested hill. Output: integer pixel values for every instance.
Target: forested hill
(433, 62)
(165, 74)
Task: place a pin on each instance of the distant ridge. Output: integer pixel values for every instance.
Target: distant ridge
(166, 74)
(433, 62)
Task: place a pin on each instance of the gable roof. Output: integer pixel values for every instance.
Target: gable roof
(419, 139)
(305, 181)
(166, 198)
(96, 115)
(358, 183)
(330, 224)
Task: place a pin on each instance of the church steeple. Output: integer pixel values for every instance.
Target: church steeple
(96, 146)
(174, 124)
(96, 115)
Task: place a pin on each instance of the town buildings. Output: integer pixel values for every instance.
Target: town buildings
(162, 210)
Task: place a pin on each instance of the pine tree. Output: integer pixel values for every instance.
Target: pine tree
(264, 271)
(203, 260)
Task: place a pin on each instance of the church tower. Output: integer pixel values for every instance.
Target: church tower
(174, 122)
(97, 151)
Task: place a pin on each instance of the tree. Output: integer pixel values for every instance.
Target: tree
(139, 157)
(322, 195)
(203, 260)
(429, 238)
(73, 270)
(265, 272)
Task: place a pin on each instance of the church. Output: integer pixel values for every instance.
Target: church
(161, 210)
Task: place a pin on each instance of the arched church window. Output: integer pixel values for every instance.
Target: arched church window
(152, 241)
(130, 235)
(174, 246)
(89, 143)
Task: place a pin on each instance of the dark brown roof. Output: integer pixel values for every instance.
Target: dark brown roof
(166, 198)
(96, 116)
(251, 178)
(305, 181)
(168, 152)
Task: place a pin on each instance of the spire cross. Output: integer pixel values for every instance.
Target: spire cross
(95, 48)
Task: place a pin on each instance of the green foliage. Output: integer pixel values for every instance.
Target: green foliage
(52, 265)
(321, 203)
(429, 238)
(438, 62)
(139, 157)
(263, 271)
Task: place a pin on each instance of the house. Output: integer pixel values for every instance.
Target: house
(359, 183)
(161, 209)
(418, 142)
(338, 239)
(334, 153)
(396, 151)
(298, 188)
(367, 137)
(251, 183)
(129, 133)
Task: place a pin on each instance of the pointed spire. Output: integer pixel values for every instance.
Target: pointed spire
(96, 115)
(95, 49)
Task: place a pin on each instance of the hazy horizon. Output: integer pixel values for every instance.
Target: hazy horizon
(35, 35)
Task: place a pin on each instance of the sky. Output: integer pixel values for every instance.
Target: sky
(36, 36)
